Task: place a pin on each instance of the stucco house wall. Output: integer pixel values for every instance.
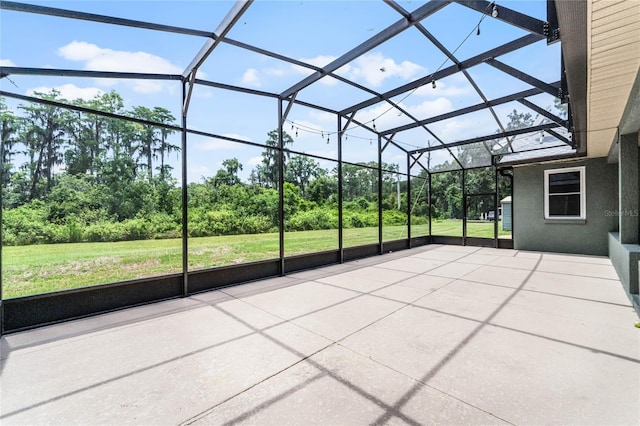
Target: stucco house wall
(590, 236)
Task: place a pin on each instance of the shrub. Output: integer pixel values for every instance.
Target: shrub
(103, 232)
(394, 217)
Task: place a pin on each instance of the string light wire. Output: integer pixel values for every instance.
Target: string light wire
(433, 81)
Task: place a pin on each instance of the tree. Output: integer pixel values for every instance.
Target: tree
(266, 173)
(562, 109)
(43, 135)
(91, 135)
(9, 127)
(322, 189)
(518, 120)
(228, 175)
(301, 170)
(145, 135)
(361, 179)
(164, 116)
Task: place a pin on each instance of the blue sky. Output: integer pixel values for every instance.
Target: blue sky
(314, 32)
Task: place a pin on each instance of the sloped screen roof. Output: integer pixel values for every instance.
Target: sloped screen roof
(457, 84)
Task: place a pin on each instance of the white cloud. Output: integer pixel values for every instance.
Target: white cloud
(452, 87)
(386, 118)
(321, 61)
(325, 117)
(210, 144)
(275, 72)
(250, 78)
(461, 128)
(254, 161)
(370, 68)
(147, 86)
(238, 136)
(7, 63)
(367, 68)
(196, 172)
(203, 92)
(431, 108)
(69, 91)
(103, 59)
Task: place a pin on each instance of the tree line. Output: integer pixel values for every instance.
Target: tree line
(71, 176)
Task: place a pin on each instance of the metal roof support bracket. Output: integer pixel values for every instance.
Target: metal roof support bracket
(187, 99)
(223, 29)
(552, 27)
(291, 100)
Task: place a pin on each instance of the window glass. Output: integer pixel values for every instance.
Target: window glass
(565, 193)
(563, 183)
(564, 205)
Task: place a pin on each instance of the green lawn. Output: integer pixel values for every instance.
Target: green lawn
(43, 268)
(453, 227)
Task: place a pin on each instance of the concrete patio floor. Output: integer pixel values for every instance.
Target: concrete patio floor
(433, 335)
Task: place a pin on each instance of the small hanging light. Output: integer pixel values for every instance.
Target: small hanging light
(296, 132)
(328, 140)
(494, 12)
(374, 125)
(433, 84)
(478, 32)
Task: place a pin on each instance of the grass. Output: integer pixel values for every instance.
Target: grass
(480, 229)
(39, 269)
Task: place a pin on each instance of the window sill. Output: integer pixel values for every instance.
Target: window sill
(566, 221)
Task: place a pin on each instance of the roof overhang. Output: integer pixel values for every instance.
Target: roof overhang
(572, 18)
(613, 72)
(601, 52)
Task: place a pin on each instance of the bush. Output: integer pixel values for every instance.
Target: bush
(136, 229)
(254, 224)
(26, 225)
(311, 220)
(360, 219)
(74, 232)
(105, 232)
(394, 217)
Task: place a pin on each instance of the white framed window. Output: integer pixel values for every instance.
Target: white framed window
(564, 193)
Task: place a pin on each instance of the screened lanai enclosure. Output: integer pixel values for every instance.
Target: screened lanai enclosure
(148, 156)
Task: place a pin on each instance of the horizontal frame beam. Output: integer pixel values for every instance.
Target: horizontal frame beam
(446, 72)
(560, 137)
(394, 29)
(541, 159)
(507, 15)
(564, 123)
(239, 7)
(56, 72)
(64, 13)
(522, 76)
(232, 88)
(490, 137)
(72, 14)
(87, 110)
(473, 108)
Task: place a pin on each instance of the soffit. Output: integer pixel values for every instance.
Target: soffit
(613, 64)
